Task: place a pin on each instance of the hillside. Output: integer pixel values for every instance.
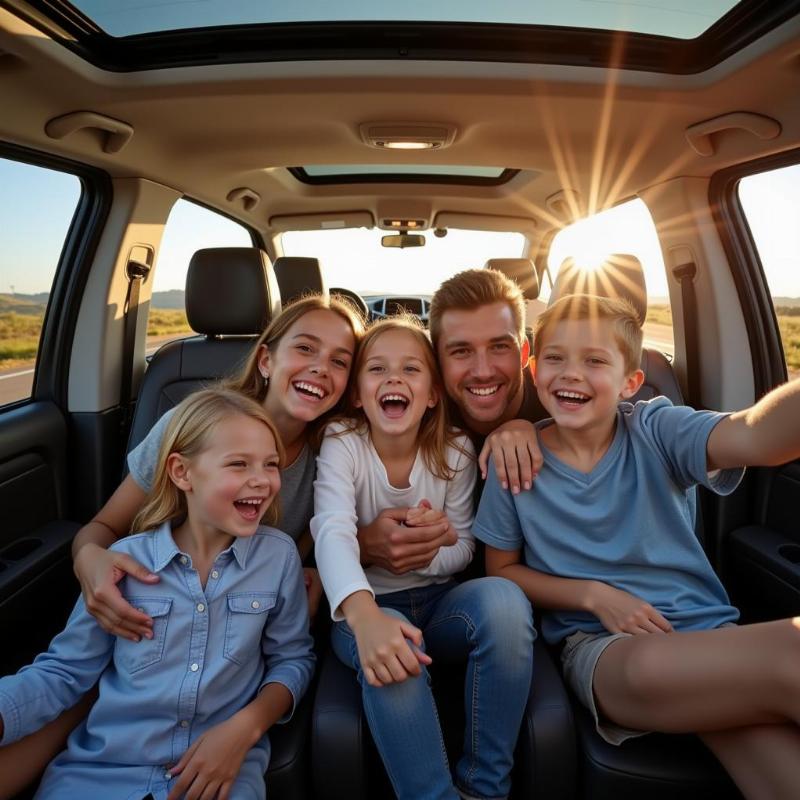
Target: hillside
(36, 303)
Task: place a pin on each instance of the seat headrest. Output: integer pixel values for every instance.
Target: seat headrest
(231, 291)
(521, 270)
(297, 275)
(620, 275)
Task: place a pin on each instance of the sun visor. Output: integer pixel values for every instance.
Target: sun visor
(314, 222)
(483, 222)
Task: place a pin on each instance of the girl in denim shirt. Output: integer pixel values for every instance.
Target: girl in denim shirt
(186, 711)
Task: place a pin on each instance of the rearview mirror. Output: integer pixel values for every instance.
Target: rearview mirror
(403, 240)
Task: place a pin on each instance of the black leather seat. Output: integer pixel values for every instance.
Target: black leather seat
(658, 766)
(231, 296)
(346, 763)
(298, 275)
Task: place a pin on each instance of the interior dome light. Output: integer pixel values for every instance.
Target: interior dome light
(407, 135)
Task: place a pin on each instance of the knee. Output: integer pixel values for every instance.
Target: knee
(506, 612)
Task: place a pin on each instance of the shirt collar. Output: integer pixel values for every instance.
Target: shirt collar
(165, 549)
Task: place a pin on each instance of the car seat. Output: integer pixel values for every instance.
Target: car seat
(298, 275)
(231, 296)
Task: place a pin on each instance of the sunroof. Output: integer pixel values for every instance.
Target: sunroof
(679, 19)
(318, 170)
(402, 173)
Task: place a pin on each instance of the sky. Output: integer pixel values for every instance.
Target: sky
(32, 243)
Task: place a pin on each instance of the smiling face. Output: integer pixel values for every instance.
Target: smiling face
(309, 366)
(580, 374)
(394, 385)
(231, 482)
(481, 360)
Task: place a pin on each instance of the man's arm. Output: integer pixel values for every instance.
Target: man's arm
(766, 434)
(514, 451)
(386, 542)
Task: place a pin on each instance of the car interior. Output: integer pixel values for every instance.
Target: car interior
(299, 141)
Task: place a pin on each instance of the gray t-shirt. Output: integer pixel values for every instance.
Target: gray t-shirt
(297, 480)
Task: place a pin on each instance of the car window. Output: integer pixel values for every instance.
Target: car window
(771, 203)
(353, 258)
(625, 229)
(37, 205)
(190, 227)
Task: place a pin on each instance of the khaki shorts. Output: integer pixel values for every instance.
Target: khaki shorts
(579, 659)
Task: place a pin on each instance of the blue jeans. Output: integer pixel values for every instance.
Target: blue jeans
(485, 622)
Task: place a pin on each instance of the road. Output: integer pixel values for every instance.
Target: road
(16, 384)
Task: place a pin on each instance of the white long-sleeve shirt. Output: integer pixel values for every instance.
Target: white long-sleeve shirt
(352, 488)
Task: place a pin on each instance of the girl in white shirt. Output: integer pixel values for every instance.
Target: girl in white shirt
(398, 451)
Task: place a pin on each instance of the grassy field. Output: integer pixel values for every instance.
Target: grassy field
(19, 331)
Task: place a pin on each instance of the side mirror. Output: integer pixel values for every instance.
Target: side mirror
(402, 240)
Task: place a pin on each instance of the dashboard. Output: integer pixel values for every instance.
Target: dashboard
(381, 306)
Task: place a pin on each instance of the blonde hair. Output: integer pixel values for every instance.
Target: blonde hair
(472, 289)
(435, 434)
(187, 434)
(620, 312)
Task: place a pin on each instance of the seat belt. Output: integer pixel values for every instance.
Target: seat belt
(136, 272)
(685, 274)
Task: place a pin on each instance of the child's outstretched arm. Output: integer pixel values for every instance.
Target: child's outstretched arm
(766, 434)
(617, 610)
(383, 652)
(210, 766)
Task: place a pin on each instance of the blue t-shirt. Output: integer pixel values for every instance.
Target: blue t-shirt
(629, 522)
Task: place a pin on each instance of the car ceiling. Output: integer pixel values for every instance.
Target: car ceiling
(602, 134)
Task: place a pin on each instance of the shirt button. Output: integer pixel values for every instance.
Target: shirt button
(201, 608)
(255, 604)
(194, 667)
(184, 723)
(214, 573)
(167, 776)
(184, 560)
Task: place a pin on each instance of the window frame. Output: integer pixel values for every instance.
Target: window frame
(744, 260)
(51, 370)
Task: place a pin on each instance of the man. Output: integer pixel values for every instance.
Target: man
(477, 325)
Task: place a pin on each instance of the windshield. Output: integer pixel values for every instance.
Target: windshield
(353, 258)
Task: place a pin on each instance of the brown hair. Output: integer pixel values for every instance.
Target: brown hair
(620, 312)
(187, 434)
(249, 380)
(472, 289)
(435, 434)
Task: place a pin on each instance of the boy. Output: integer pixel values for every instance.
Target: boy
(610, 552)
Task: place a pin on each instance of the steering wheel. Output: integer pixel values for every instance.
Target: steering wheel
(355, 299)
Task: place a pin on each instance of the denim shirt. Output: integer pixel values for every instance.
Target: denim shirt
(212, 650)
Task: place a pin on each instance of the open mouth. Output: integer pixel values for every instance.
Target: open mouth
(249, 508)
(572, 398)
(394, 405)
(310, 390)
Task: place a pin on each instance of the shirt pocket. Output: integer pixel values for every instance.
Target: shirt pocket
(135, 656)
(247, 615)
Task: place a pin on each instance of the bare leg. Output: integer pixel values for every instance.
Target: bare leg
(703, 680)
(738, 687)
(761, 759)
(24, 761)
